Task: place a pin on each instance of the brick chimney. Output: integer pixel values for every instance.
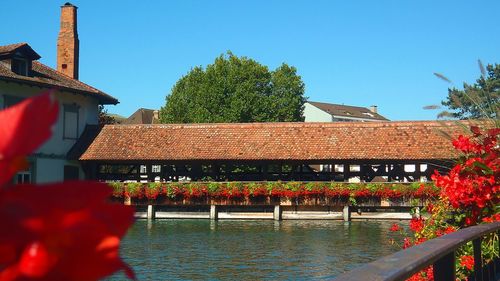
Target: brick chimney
(373, 108)
(67, 42)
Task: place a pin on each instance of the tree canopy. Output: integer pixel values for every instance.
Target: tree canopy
(236, 89)
(480, 100)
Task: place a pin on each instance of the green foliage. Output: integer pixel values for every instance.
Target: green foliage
(134, 188)
(118, 188)
(480, 100)
(236, 89)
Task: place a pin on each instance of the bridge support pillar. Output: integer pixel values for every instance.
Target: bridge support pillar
(214, 214)
(151, 212)
(346, 213)
(277, 213)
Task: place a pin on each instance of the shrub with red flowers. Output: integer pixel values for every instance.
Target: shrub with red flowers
(469, 195)
(291, 190)
(473, 186)
(152, 190)
(59, 231)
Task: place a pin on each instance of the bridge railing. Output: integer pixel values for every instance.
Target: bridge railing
(439, 252)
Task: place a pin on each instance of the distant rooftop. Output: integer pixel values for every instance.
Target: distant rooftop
(348, 111)
(142, 116)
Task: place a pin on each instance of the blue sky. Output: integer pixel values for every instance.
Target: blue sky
(348, 52)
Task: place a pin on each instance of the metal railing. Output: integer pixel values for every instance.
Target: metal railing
(439, 252)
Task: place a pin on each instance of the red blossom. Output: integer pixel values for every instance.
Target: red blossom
(416, 224)
(473, 184)
(493, 218)
(406, 243)
(449, 230)
(24, 128)
(395, 227)
(65, 231)
(466, 145)
(467, 262)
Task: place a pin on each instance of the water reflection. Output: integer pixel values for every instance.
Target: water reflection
(251, 250)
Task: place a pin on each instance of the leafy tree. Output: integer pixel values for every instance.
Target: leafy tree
(480, 100)
(236, 89)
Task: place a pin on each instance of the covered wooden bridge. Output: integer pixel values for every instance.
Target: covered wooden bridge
(347, 151)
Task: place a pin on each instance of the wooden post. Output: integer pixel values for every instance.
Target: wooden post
(265, 174)
(214, 214)
(346, 212)
(444, 268)
(151, 212)
(478, 262)
(277, 212)
(347, 172)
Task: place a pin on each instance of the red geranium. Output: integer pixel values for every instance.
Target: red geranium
(24, 128)
(473, 184)
(395, 227)
(416, 224)
(65, 231)
(467, 262)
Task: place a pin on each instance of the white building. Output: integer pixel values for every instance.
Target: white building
(22, 76)
(327, 112)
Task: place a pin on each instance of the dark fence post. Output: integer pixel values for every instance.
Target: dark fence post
(444, 268)
(478, 261)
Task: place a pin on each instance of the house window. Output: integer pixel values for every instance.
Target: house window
(143, 169)
(71, 119)
(20, 66)
(9, 101)
(71, 172)
(156, 168)
(23, 177)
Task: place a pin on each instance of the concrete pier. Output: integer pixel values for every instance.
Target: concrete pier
(214, 214)
(274, 212)
(346, 213)
(151, 214)
(277, 213)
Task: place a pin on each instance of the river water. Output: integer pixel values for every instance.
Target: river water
(252, 250)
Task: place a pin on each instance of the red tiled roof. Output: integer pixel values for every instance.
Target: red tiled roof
(348, 111)
(44, 76)
(276, 141)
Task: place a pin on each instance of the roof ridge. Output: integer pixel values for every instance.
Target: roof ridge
(338, 104)
(67, 76)
(300, 124)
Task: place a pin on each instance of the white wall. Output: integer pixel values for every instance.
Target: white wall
(314, 114)
(50, 158)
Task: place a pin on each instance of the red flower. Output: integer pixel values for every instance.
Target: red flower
(395, 227)
(467, 262)
(65, 231)
(493, 218)
(449, 230)
(406, 243)
(416, 224)
(24, 128)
